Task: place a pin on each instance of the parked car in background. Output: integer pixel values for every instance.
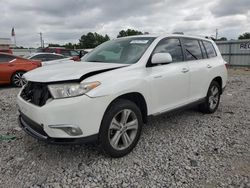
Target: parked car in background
(60, 50)
(45, 56)
(13, 67)
(9, 51)
(75, 54)
(58, 61)
(109, 95)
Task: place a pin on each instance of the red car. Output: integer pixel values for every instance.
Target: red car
(13, 67)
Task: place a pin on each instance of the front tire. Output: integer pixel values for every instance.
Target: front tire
(121, 128)
(212, 99)
(17, 79)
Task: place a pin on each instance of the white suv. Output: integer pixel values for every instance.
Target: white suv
(109, 95)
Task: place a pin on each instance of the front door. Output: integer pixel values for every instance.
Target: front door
(169, 83)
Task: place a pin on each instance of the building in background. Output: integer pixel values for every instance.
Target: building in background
(235, 52)
(6, 45)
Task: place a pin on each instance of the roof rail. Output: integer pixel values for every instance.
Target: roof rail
(178, 33)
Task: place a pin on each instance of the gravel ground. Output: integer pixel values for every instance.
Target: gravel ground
(185, 149)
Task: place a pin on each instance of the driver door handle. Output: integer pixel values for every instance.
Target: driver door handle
(184, 70)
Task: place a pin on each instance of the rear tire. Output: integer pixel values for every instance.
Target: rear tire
(212, 99)
(121, 128)
(17, 79)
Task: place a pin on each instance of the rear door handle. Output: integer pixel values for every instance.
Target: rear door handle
(184, 70)
(209, 66)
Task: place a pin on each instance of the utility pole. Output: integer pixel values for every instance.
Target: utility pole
(216, 34)
(41, 39)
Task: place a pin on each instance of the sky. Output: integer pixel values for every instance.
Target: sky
(63, 21)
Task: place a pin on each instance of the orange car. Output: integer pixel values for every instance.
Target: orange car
(13, 67)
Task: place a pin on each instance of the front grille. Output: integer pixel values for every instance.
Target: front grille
(36, 93)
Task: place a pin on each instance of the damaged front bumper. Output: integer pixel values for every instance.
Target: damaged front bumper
(36, 131)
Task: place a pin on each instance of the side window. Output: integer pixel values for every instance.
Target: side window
(74, 53)
(210, 49)
(204, 53)
(172, 46)
(65, 53)
(54, 57)
(38, 57)
(5, 58)
(58, 57)
(192, 49)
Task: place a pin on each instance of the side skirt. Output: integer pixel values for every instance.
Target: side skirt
(181, 108)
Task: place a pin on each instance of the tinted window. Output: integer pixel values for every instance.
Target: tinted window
(54, 57)
(6, 58)
(204, 53)
(39, 57)
(192, 49)
(65, 53)
(74, 53)
(171, 46)
(210, 49)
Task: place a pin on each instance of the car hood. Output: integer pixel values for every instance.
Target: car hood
(68, 71)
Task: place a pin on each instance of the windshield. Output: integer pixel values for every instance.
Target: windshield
(123, 50)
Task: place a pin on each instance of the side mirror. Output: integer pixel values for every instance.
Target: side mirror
(161, 58)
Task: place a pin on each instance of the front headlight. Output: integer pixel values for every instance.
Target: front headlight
(71, 89)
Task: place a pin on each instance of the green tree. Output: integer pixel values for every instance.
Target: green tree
(128, 32)
(54, 45)
(244, 36)
(91, 40)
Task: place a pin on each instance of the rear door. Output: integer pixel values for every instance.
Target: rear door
(196, 59)
(169, 83)
(6, 67)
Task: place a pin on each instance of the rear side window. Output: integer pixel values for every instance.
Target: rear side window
(171, 46)
(192, 49)
(210, 49)
(6, 58)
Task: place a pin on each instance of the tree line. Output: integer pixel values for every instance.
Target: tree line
(91, 40)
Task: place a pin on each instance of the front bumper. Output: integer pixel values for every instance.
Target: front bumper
(36, 131)
(83, 112)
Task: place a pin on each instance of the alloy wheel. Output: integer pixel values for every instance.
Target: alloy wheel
(123, 129)
(18, 79)
(214, 97)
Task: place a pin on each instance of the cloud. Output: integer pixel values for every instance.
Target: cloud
(63, 21)
(230, 7)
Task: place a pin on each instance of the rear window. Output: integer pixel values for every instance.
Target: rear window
(192, 49)
(210, 49)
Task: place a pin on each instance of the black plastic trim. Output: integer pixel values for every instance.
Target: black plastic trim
(27, 125)
(187, 106)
